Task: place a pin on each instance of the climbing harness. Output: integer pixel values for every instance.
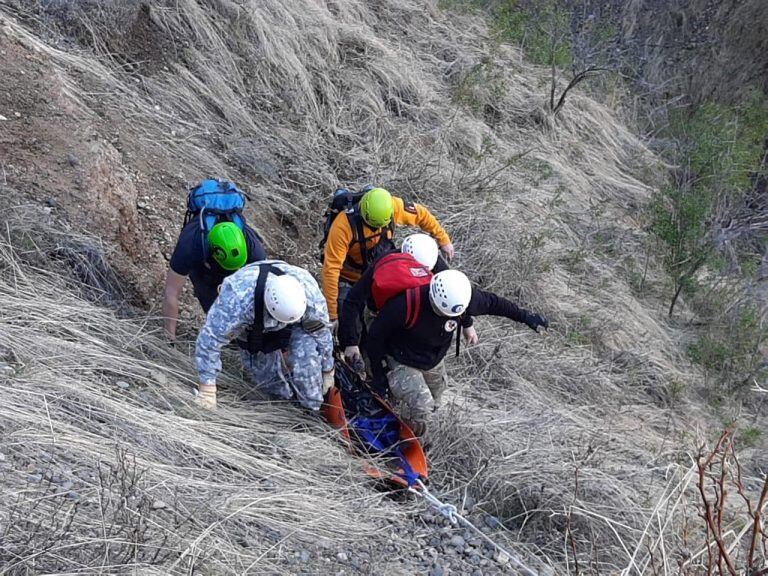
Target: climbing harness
(451, 512)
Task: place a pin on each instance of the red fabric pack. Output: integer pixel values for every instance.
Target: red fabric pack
(396, 273)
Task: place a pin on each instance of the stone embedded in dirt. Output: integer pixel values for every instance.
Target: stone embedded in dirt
(6, 370)
(501, 559)
(159, 505)
(457, 541)
(3, 118)
(17, 114)
(342, 557)
(436, 570)
(122, 384)
(73, 160)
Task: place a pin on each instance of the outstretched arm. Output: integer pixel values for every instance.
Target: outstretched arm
(334, 255)
(489, 304)
(413, 214)
(174, 284)
(350, 323)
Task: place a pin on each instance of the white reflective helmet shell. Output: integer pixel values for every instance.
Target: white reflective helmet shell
(284, 298)
(450, 292)
(423, 248)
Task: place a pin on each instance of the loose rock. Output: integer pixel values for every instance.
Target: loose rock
(6, 370)
(159, 377)
(73, 160)
(122, 384)
(342, 557)
(159, 505)
(436, 570)
(501, 559)
(457, 541)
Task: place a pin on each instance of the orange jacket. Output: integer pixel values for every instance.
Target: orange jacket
(340, 248)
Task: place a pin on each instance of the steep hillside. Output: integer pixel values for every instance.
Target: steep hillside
(571, 447)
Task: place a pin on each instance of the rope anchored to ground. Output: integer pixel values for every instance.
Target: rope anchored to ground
(451, 512)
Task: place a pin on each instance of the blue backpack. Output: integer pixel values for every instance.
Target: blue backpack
(214, 201)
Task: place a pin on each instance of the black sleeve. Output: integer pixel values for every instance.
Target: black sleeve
(255, 245)
(350, 319)
(389, 321)
(441, 265)
(189, 249)
(489, 304)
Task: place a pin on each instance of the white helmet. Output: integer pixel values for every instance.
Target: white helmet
(422, 247)
(284, 298)
(450, 292)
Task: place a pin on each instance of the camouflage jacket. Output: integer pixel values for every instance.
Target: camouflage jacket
(232, 314)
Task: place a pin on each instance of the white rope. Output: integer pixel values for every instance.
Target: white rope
(450, 512)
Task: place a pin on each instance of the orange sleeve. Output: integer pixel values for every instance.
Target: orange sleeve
(418, 215)
(334, 255)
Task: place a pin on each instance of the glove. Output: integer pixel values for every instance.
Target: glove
(206, 396)
(334, 326)
(533, 321)
(328, 381)
(354, 358)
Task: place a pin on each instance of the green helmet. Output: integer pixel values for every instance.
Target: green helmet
(228, 247)
(377, 208)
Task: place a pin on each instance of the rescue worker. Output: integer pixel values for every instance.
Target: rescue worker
(228, 249)
(408, 340)
(278, 316)
(425, 251)
(354, 235)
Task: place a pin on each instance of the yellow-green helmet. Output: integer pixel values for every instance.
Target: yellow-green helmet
(228, 247)
(377, 208)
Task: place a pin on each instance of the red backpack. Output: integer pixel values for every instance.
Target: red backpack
(395, 273)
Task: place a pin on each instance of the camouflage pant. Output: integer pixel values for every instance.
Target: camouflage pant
(416, 392)
(297, 375)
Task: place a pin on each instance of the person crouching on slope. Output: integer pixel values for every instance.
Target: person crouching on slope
(412, 333)
(270, 307)
(354, 235)
(418, 258)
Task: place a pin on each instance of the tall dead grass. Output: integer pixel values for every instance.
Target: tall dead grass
(107, 463)
(567, 437)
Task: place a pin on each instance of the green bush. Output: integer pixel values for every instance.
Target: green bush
(541, 28)
(721, 149)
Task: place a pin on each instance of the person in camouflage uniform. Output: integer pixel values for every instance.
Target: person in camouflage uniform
(302, 370)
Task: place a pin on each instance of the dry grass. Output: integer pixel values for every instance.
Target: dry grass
(568, 437)
(84, 461)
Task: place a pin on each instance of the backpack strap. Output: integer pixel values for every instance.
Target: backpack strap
(256, 333)
(458, 336)
(357, 225)
(412, 307)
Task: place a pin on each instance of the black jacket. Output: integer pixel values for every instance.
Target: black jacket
(350, 318)
(425, 345)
